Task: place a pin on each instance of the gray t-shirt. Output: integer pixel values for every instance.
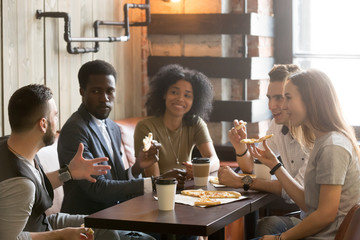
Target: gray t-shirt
(332, 161)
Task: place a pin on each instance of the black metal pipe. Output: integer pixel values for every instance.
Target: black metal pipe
(126, 24)
(126, 20)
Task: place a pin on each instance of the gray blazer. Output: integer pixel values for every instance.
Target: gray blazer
(82, 196)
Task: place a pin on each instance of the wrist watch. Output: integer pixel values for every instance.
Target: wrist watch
(64, 174)
(247, 182)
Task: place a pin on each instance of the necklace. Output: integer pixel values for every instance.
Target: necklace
(171, 144)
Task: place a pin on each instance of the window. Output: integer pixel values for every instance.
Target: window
(326, 36)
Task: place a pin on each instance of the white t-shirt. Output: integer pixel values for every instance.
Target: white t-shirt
(292, 155)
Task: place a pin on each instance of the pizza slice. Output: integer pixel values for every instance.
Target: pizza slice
(206, 202)
(193, 193)
(147, 142)
(89, 230)
(211, 194)
(248, 140)
(222, 194)
(241, 124)
(265, 137)
(254, 140)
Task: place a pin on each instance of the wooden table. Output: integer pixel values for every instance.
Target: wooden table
(142, 214)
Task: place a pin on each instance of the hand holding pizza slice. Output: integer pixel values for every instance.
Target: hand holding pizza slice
(150, 152)
(88, 230)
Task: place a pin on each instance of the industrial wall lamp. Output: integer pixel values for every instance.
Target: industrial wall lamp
(96, 39)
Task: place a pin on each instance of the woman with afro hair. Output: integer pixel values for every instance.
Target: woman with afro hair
(178, 102)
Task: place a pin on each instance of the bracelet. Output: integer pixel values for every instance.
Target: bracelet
(277, 166)
(241, 155)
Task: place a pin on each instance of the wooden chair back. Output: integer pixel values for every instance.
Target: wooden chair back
(352, 219)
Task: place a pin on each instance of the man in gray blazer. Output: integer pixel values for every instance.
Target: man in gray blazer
(101, 136)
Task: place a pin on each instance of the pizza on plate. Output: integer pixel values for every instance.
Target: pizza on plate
(254, 140)
(211, 194)
(206, 202)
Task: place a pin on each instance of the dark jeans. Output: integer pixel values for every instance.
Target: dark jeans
(178, 237)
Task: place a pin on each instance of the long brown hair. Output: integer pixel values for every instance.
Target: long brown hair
(323, 108)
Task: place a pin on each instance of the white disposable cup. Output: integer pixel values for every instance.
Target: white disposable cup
(261, 170)
(201, 169)
(166, 190)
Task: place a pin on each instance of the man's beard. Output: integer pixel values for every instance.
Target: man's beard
(49, 137)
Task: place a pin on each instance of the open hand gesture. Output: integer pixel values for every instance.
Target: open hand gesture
(81, 168)
(266, 156)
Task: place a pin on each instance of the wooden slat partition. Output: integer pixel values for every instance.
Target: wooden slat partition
(249, 111)
(1, 70)
(217, 67)
(253, 24)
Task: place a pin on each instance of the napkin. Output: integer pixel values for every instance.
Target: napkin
(213, 180)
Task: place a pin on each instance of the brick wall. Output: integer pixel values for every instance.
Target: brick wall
(216, 46)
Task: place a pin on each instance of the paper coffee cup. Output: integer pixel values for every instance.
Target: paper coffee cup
(201, 169)
(261, 170)
(166, 190)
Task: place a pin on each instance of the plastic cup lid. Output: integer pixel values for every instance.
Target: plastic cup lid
(166, 181)
(200, 160)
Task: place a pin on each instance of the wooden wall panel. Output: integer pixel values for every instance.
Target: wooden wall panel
(68, 63)
(10, 53)
(120, 59)
(128, 58)
(23, 49)
(52, 38)
(133, 98)
(1, 70)
(104, 10)
(30, 44)
(34, 51)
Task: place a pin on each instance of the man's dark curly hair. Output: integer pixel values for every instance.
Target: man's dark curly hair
(169, 75)
(96, 67)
